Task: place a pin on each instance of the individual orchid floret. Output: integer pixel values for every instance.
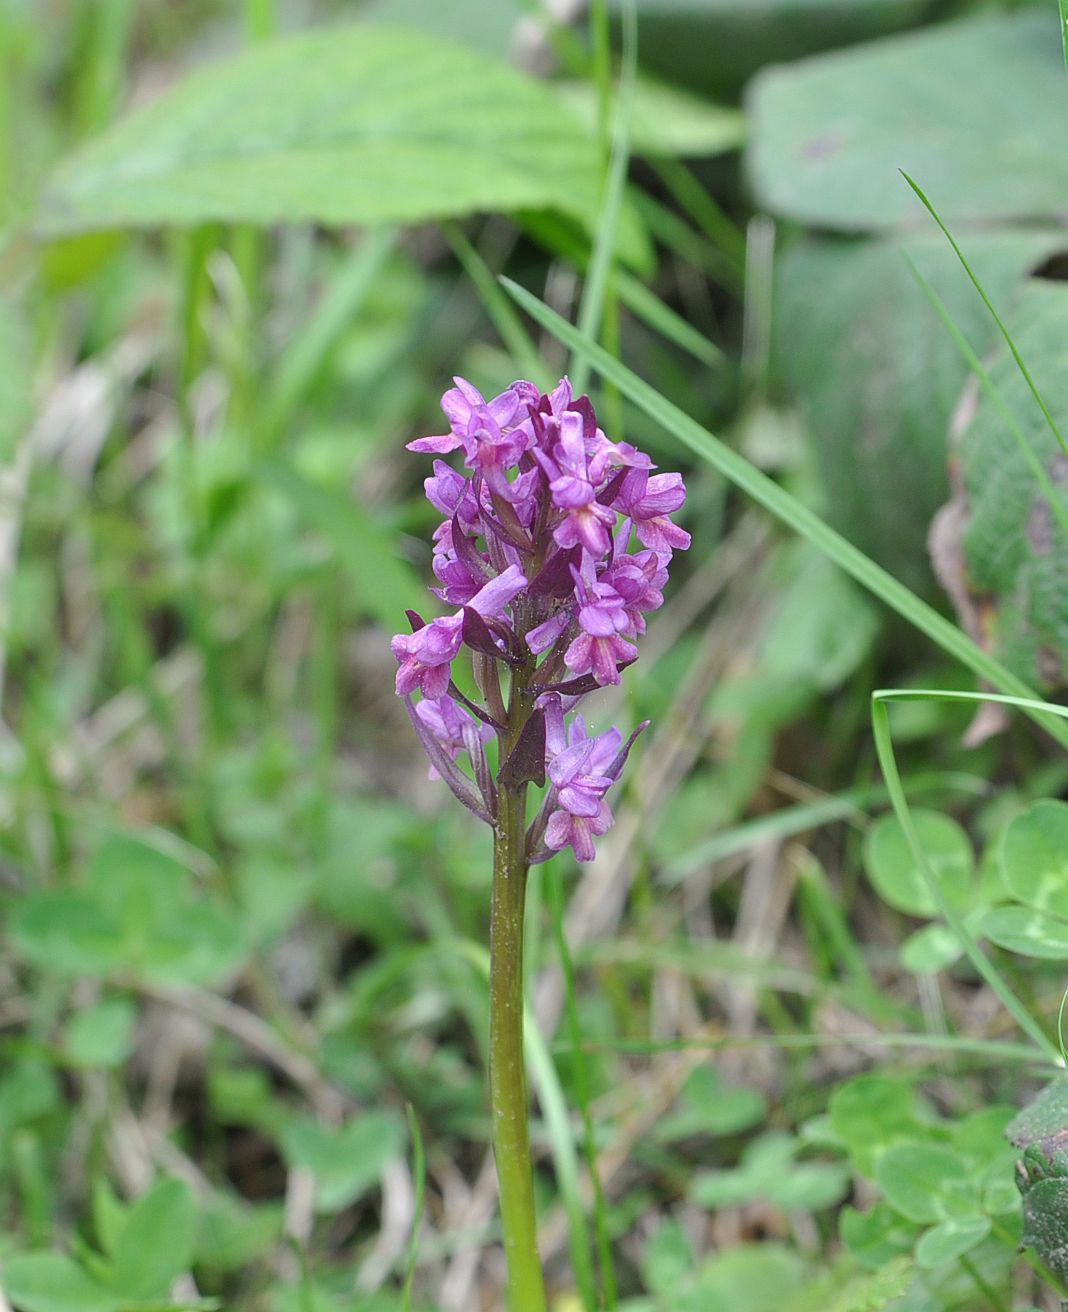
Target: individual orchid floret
(454, 729)
(426, 655)
(461, 405)
(648, 501)
(581, 770)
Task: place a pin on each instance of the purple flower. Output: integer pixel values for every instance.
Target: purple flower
(636, 581)
(426, 655)
(454, 729)
(484, 429)
(649, 502)
(602, 618)
(573, 491)
(532, 551)
(578, 772)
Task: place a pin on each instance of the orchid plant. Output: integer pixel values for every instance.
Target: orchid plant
(534, 556)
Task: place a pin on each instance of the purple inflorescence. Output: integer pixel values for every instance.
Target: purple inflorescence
(533, 556)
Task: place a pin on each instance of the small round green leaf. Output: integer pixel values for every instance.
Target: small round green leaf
(101, 1035)
(1034, 857)
(927, 1183)
(1027, 932)
(930, 950)
(948, 1241)
(893, 870)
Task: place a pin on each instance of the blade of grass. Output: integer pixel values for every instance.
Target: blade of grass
(304, 358)
(555, 883)
(647, 306)
(500, 309)
(689, 245)
(419, 1175)
(994, 314)
(695, 200)
(596, 306)
(1063, 7)
(884, 747)
(798, 819)
(557, 238)
(786, 507)
(989, 1048)
(993, 392)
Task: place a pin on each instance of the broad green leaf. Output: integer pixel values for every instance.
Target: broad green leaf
(947, 1241)
(101, 1035)
(164, 932)
(715, 46)
(927, 1183)
(346, 1163)
(1013, 545)
(50, 1282)
(136, 912)
(980, 1136)
(894, 874)
(1034, 856)
(877, 378)
(28, 1092)
(109, 1215)
(341, 125)
(1029, 933)
(830, 134)
(666, 120)
(156, 1243)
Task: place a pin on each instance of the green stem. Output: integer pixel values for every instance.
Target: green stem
(508, 1083)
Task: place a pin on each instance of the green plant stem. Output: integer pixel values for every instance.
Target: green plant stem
(508, 1082)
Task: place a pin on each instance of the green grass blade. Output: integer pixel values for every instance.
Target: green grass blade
(303, 359)
(988, 972)
(501, 311)
(695, 200)
(419, 1176)
(597, 287)
(848, 805)
(993, 393)
(786, 507)
(647, 306)
(600, 1221)
(994, 314)
(992, 1049)
(1063, 7)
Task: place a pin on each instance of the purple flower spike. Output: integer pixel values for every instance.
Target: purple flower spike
(533, 554)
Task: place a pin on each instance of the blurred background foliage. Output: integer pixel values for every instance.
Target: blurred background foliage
(242, 1015)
